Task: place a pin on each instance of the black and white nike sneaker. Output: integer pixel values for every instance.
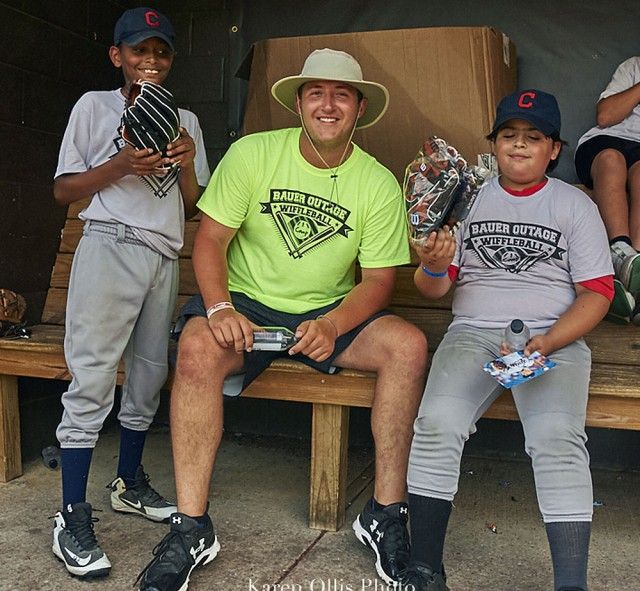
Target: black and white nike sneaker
(74, 542)
(385, 532)
(140, 498)
(187, 546)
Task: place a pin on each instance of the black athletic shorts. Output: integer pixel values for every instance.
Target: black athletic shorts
(256, 362)
(591, 148)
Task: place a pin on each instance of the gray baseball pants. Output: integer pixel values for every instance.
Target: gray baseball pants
(120, 303)
(552, 408)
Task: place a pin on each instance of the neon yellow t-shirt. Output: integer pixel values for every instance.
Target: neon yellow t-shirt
(300, 231)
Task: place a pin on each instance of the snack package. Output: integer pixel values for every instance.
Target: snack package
(516, 368)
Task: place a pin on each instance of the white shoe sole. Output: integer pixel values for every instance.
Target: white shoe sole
(363, 535)
(99, 568)
(160, 514)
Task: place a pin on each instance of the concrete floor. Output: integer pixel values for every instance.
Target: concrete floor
(259, 506)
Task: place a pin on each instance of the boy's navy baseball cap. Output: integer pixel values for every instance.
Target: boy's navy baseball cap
(138, 24)
(535, 106)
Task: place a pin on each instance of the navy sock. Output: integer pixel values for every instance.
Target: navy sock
(202, 520)
(75, 464)
(569, 544)
(622, 238)
(131, 448)
(429, 519)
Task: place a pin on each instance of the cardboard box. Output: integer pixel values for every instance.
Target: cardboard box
(442, 81)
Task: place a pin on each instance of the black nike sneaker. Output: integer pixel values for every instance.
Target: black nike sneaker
(385, 532)
(74, 542)
(184, 548)
(140, 498)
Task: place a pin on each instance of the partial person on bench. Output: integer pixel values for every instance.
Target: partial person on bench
(608, 161)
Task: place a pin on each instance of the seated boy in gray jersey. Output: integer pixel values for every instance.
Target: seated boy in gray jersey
(123, 283)
(608, 161)
(533, 248)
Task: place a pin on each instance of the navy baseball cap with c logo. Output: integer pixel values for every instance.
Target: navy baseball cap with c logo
(535, 106)
(138, 24)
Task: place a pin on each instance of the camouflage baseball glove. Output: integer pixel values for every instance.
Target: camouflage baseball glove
(151, 118)
(12, 309)
(12, 306)
(439, 188)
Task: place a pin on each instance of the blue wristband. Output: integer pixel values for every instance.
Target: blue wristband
(431, 273)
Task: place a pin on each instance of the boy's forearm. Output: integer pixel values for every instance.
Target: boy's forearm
(585, 313)
(69, 188)
(617, 107)
(431, 287)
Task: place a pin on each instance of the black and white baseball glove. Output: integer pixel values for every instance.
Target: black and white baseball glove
(151, 118)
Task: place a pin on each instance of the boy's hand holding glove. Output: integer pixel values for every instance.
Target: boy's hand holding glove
(151, 118)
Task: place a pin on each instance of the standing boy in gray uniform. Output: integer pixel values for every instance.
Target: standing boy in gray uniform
(123, 283)
(533, 248)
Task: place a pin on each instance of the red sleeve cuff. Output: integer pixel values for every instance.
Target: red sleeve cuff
(453, 273)
(601, 285)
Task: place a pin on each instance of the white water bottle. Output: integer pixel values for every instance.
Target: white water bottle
(516, 335)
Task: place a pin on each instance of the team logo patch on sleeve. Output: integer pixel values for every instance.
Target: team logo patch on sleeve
(305, 221)
(512, 246)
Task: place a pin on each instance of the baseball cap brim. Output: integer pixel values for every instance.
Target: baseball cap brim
(136, 38)
(286, 89)
(540, 124)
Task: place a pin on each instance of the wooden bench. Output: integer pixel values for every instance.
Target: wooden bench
(614, 392)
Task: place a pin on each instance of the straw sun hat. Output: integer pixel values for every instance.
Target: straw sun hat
(338, 66)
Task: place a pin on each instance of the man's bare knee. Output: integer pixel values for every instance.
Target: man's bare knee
(200, 355)
(402, 343)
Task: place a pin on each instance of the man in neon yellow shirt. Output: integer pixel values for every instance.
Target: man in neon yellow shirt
(286, 217)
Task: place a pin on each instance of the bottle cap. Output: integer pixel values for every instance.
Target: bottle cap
(517, 326)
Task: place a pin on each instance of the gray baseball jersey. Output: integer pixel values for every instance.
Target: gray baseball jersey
(519, 257)
(150, 205)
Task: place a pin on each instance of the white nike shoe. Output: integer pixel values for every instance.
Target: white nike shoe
(140, 498)
(74, 542)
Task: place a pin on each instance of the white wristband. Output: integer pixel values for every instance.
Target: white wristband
(217, 307)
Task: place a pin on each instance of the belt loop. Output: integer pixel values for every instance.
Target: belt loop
(120, 234)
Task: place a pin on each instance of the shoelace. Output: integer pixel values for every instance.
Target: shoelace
(83, 533)
(165, 549)
(82, 530)
(396, 538)
(146, 491)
